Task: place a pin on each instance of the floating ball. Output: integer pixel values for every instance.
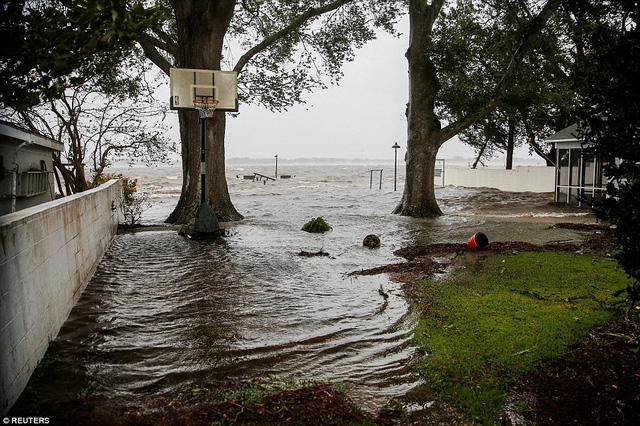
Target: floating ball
(371, 240)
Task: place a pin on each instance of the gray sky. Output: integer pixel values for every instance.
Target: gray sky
(362, 117)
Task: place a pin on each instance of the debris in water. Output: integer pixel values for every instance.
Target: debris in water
(382, 293)
(320, 253)
(478, 240)
(371, 240)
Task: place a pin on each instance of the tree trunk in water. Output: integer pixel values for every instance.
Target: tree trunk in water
(190, 194)
(201, 29)
(424, 136)
(511, 142)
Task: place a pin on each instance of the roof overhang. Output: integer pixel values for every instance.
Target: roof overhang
(566, 135)
(14, 132)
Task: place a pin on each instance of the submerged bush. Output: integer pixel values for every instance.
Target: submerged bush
(316, 225)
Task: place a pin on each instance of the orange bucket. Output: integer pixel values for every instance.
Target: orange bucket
(478, 240)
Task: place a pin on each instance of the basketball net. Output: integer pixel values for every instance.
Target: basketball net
(205, 106)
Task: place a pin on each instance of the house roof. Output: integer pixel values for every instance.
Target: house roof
(565, 135)
(14, 131)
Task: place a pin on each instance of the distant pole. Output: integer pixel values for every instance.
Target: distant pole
(395, 163)
(276, 166)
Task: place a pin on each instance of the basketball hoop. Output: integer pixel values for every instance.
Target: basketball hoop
(205, 106)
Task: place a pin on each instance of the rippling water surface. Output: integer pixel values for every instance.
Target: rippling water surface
(163, 313)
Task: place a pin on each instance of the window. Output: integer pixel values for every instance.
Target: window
(563, 167)
(579, 177)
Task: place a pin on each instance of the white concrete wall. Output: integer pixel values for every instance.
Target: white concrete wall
(520, 179)
(48, 253)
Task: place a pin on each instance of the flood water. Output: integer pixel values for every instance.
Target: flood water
(164, 313)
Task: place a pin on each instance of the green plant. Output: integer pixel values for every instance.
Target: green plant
(608, 114)
(317, 225)
(129, 186)
(133, 203)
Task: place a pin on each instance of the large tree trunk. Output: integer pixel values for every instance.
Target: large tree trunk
(201, 28)
(424, 135)
(216, 183)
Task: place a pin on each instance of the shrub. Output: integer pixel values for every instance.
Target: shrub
(316, 225)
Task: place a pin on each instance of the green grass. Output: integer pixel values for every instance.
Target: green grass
(491, 322)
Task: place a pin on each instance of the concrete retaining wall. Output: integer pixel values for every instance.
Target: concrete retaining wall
(520, 179)
(48, 253)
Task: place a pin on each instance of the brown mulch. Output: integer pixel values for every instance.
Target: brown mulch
(412, 253)
(596, 383)
(582, 226)
(318, 404)
(424, 267)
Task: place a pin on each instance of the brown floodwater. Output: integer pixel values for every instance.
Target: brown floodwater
(165, 314)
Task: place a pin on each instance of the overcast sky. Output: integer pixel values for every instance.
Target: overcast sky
(362, 117)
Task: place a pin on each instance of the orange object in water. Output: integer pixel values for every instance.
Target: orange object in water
(478, 240)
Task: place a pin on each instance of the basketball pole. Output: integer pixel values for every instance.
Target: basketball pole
(203, 157)
(206, 223)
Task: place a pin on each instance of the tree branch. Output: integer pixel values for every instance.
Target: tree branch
(171, 46)
(151, 52)
(534, 145)
(436, 6)
(294, 25)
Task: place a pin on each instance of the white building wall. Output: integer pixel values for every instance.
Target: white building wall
(48, 253)
(519, 179)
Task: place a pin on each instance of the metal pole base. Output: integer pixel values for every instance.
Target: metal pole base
(206, 221)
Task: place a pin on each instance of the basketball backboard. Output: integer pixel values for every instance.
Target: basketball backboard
(188, 84)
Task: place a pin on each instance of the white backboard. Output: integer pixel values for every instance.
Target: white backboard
(188, 84)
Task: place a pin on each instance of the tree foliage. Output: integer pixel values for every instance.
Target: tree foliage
(608, 110)
(59, 44)
(70, 72)
(293, 47)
